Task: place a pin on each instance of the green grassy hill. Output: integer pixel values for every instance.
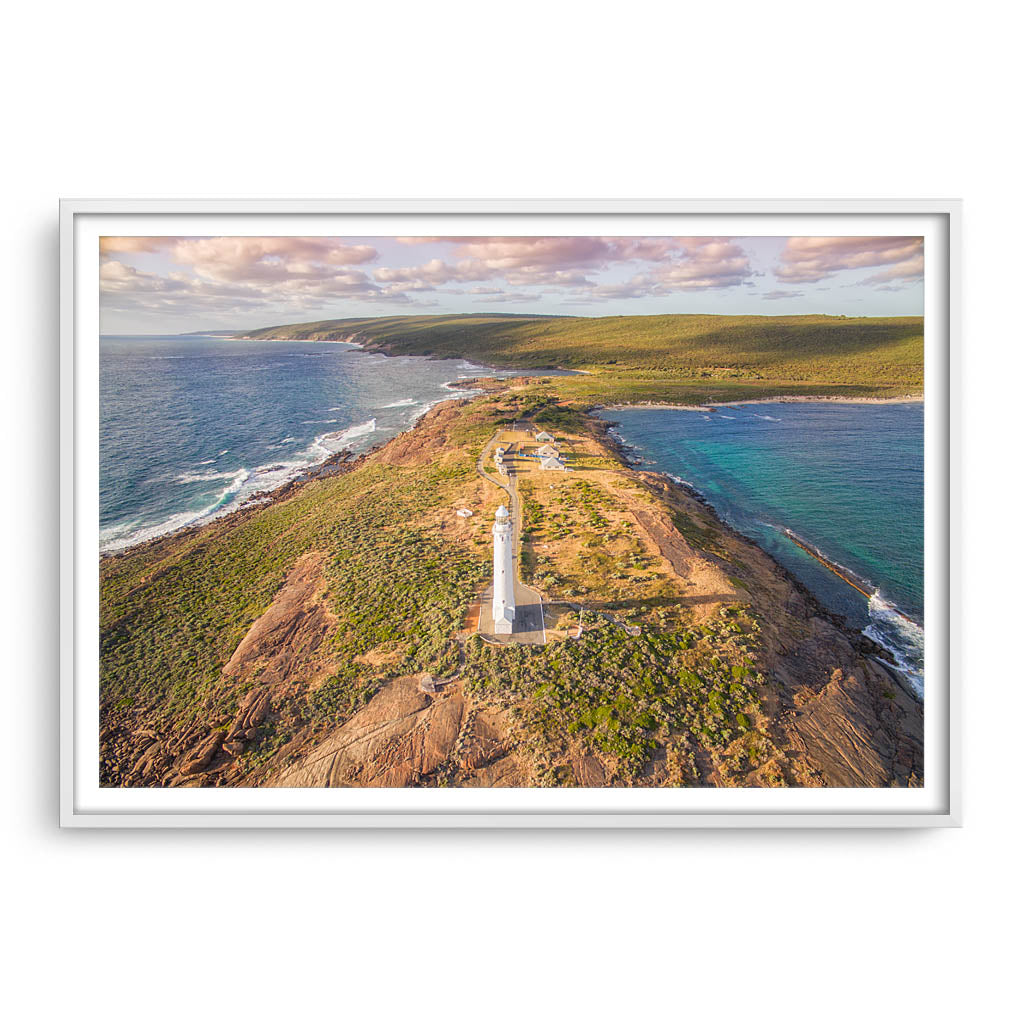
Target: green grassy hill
(875, 351)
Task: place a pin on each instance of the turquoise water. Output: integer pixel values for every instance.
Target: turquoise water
(848, 480)
(193, 426)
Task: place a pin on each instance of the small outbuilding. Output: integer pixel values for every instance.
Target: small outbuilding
(464, 513)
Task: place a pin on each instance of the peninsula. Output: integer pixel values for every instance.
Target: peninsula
(346, 631)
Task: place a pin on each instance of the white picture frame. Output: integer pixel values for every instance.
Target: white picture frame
(938, 803)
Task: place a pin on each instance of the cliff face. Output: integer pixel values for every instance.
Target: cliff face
(679, 653)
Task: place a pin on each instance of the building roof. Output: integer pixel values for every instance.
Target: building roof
(550, 462)
(543, 435)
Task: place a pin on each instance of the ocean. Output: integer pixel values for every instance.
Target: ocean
(846, 479)
(193, 426)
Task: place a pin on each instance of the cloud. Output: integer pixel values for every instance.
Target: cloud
(911, 269)
(705, 264)
(110, 244)
(711, 264)
(537, 258)
(227, 276)
(635, 288)
(286, 275)
(435, 271)
(268, 259)
(782, 295)
(509, 297)
(808, 260)
(124, 287)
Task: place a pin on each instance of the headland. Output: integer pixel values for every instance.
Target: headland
(327, 636)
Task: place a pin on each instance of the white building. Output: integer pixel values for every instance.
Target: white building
(552, 462)
(547, 451)
(503, 605)
(543, 436)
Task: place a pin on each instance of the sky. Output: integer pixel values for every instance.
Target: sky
(173, 285)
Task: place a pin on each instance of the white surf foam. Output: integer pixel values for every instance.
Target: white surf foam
(900, 636)
(401, 403)
(124, 535)
(199, 478)
(336, 441)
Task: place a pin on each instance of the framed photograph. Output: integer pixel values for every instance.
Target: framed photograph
(509, 513)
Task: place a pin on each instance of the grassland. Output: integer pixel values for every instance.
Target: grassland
(679, 358)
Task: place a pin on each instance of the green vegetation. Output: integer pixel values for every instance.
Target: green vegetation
(677, 358)
(620, 694)
(648, 679)
(171, 616)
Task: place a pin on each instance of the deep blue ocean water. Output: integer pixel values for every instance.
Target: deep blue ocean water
(847, 479)
(192, 426)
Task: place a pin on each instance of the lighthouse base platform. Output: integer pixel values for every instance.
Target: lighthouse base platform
(528, 627)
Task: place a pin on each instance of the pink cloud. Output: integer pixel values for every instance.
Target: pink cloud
(711, 264)
(703, 264)
(539, 253)
(267, 259)
(807, 260)
(135, 243)
(907, 270)
(119, 277)
(227, 275)
(435, 271)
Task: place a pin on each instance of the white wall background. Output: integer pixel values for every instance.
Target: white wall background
(528, 99)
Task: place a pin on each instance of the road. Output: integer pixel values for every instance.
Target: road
(528, 627)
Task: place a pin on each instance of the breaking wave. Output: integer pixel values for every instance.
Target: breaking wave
(901, 636)
(338, 440)
(244, 485)
(124, 535)
(199, 478)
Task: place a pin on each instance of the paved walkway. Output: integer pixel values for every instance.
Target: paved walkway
(528, 627)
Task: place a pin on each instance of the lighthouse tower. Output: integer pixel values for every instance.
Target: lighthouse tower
(503, 607)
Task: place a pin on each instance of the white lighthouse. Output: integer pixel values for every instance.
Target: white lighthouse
(503, 607)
